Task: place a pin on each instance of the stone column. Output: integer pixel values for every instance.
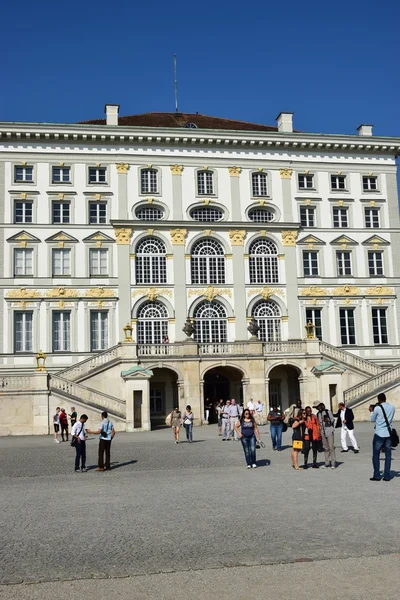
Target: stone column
(177, 210)
(236, 237)
(123, 238)
(178, 243)
(123, 208)
(292, 291)
(236, 212)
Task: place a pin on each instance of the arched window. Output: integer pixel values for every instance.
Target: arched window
(151, 261)
(263, 262)
(208, 262)
(210, 323)
(205, 183)
(148, 181)
(261, 215)
(259, 184)
(206, 214)
(149, 213)
(152, 323)
(267, 315)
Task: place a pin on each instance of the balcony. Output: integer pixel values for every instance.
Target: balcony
(220, 349)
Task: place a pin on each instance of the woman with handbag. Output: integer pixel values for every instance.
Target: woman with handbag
(298, 438)
(247, 435)
(188, 423)
(175, 422)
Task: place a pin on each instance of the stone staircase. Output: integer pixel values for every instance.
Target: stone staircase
(367, 390)
(347, 359)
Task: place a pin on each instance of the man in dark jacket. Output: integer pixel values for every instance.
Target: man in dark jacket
(345, 420)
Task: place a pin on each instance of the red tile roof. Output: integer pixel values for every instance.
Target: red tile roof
(179, 120)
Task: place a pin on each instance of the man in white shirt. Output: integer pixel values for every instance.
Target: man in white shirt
(259, 411)
(250, 406)
(78, 433)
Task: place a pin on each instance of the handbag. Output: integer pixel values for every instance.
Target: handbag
(297, 444)
(284, 428)
(394, 438)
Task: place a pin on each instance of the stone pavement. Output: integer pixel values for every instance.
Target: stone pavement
(174, 508)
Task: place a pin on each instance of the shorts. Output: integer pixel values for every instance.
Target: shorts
(220, 422)
(56, 427)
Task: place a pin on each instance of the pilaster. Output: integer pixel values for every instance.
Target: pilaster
(176, 171)
(292, 290)
(235, 193)
(286, 177)
(239, 288)
(178, 237)
(123, 208)
(123, 238)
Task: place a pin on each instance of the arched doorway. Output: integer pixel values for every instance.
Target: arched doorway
(163, 395)
(222, 383)
(284, 388)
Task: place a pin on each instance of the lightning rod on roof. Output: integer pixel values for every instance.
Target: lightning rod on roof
(176, 85)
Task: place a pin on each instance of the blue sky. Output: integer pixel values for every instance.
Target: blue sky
(335, 65)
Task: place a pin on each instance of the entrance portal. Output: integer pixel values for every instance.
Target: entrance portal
(284, 388)
(222, 383)
(163, 396)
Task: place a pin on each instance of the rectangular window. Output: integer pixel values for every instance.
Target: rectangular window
(340, 217)
(61, 175)
(23, 210)
(313, 315)
(61, 262)
(347, 326)
(148, 181)
(310, 263)
(97, 213)
(343, 263)
(23, 262)
(338, 182)
(205, 183)
(379, 326)
(98, 330)
(61, 212)
(156, 401)
(375, 263)
(23, 331)
(98, 261)
(371, 217)
(306, 182)
(307, 216)
(259, 184)
(61, 331)
(370, 183)
(97, 175)
(23, 174)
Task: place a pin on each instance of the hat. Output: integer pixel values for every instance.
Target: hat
(316, 404)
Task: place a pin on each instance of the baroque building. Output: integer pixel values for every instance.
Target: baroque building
(166, 258)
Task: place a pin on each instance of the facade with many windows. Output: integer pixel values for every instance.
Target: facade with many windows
(150, 222)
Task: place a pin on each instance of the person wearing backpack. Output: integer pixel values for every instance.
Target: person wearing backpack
(326, 422)
(107, 432)
(382, 415)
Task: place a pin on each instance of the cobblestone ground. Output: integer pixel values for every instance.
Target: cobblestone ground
(167, 507)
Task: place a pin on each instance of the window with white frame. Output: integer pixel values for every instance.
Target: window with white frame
(210, 323)
(98, 262)
(370, 183)
(347, 326)
(313, 315)
(23, 174)
(149, 213)
(259, 184)
(61, 320)
(151, 261)
(23, 211)
(338, 182)
(340, 217)
(60, 212)
(152, 323)
(61, 174)
(23, 331)
(310, 263)
(206, 214)
(307, 216)
(306, 182)
(98, 330)
(148, 181)
(23, 262)
(97, 175)
(371, 217)
(205, 183)
(375, 263)
(261, 215)
(263, 262)
(267, 315)
(379, 326)
(207, 262)
(343, 263)
(61, 262)
(97, 213)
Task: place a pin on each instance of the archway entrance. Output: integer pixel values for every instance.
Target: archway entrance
(222, 383)
(163, 396)
(284, 388)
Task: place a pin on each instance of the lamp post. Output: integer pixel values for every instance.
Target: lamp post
(310, 328)
(128, 332)
(41, 361)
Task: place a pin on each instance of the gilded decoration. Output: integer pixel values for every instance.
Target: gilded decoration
(61, 292)
(149, 200)
(152, 293)
(23, 293)
(289, 238)
(346, 290)
(176, 169)
(123, 235)
(313, 290)
(380, 290)
(122, 168)
(265, 292)
(178, 236)
(100, 292)
(207, 232)
(23, 195)
(285, 173)
(206, 202)
(237, 236)
(234, 171)
(210, 292)
(261, 202)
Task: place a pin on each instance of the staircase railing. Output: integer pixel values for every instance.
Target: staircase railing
(370, 386)
(88, 396)
(347, 358)
(85, 366)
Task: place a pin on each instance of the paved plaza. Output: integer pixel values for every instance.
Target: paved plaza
(167, 510)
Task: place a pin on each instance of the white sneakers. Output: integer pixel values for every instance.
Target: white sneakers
(56, 442)
(254, 466)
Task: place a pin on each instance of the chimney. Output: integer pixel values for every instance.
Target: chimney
(285, 122)
(111, 111)
(365, 130)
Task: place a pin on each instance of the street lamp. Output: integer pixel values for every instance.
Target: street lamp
(41, 361)
(310, 327)
(128, 332)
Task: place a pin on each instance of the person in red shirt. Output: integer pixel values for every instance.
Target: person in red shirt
(64, 424)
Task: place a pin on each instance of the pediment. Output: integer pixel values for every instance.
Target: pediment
(311, 239)
(344, 239)
(327, 367)
(375, 240)
(23, 236)
(99, 237)
(61, 236)
(137, 372)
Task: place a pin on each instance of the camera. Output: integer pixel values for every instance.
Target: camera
(372, 406)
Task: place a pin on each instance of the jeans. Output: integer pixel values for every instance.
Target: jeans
(80, 455)
(377, 444)
(189, 429)
(104, 446)
(276, 435)
(249, 447)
